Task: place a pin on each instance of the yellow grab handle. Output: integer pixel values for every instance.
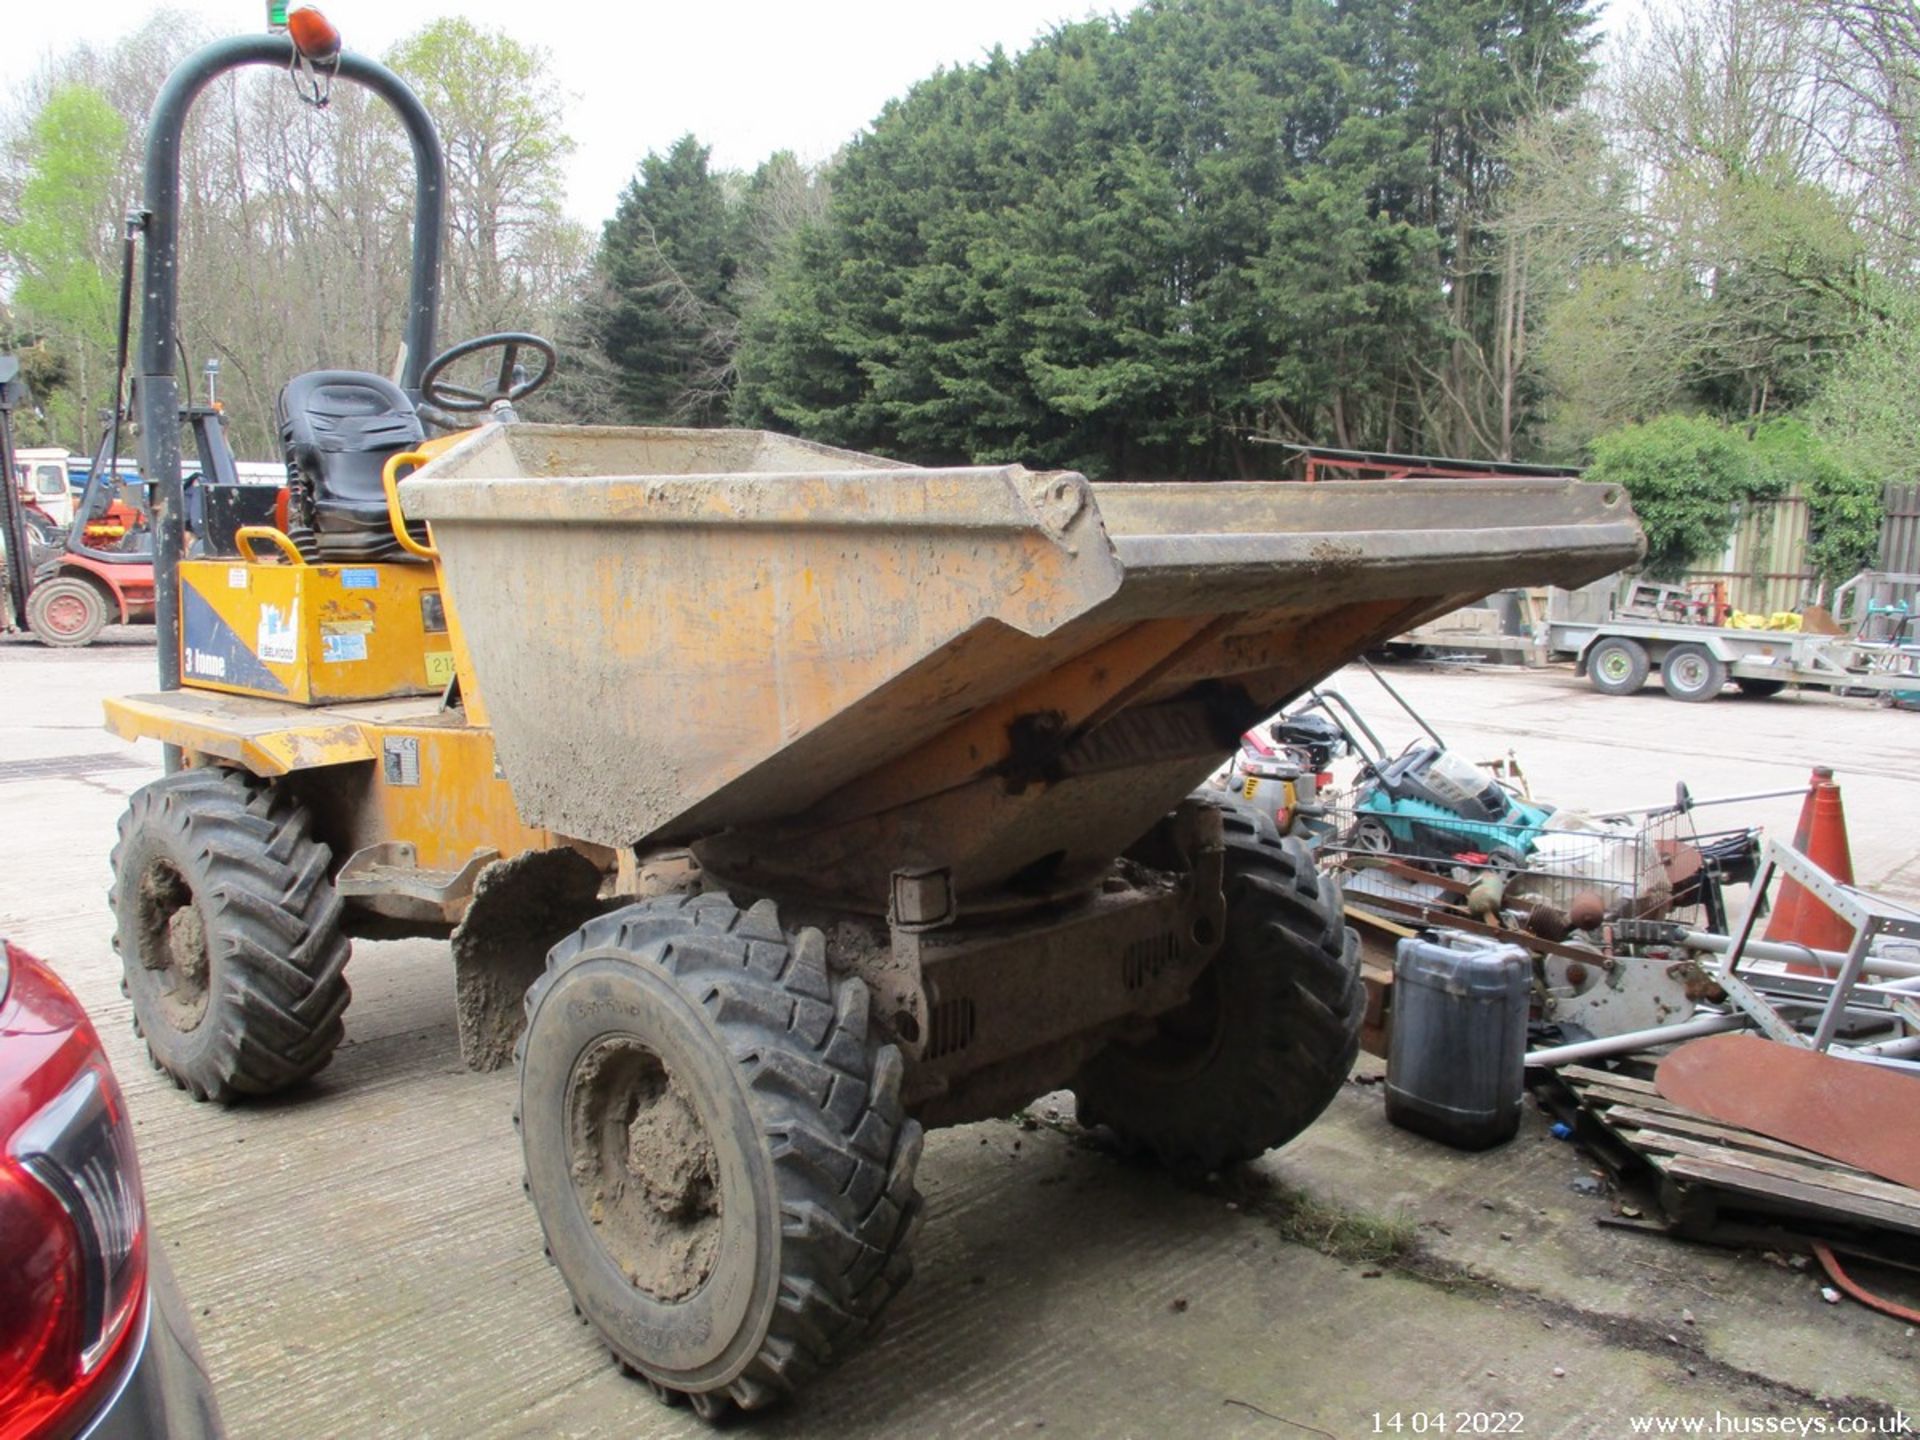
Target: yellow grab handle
(390, 479)
(244, 537)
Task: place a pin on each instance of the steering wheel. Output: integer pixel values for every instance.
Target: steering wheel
(506, 390)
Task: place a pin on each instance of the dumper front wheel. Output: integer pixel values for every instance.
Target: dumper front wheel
(229, 934)
(1266, 1037)
(715, 1147)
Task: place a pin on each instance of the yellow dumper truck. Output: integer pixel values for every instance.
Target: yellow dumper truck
(779, 801)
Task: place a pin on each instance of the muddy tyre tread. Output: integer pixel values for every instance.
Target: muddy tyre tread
(827, 1099)
(1308, 1008)
(278, 990)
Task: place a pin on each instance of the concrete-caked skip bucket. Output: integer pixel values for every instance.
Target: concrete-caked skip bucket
(679, 633)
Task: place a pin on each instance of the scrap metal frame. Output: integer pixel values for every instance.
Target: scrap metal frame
(1893, 992)
(1323, 462)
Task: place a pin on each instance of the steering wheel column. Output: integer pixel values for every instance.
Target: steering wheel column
(443, 402)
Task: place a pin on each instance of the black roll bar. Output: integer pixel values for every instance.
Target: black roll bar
(157, 387)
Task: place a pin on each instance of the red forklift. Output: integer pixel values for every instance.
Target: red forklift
(102, 573)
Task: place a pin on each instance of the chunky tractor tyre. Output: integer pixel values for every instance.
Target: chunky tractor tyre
(1692, 673)
(1760, 689)
(229, 933)
(715, 1147)
(1617, 666)
(66, 612)
(1268, 1035)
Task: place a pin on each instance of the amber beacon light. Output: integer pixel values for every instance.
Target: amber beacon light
(313, 35)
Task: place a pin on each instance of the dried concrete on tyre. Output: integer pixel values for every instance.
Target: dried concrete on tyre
(361, 1260)
(662, 1201)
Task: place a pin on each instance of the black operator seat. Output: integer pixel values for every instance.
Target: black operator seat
(339, 428)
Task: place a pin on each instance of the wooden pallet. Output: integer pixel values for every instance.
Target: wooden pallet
(1703, 1167)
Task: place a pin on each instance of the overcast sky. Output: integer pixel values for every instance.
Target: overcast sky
(747, 76)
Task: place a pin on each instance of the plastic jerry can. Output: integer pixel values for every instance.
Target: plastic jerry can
(1456, 1059)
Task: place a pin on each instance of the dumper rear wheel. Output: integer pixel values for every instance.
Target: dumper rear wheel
(715, 1146)
(229, 932)
(1268, 1034)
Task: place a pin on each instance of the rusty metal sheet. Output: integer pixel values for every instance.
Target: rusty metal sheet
(1863, 1115)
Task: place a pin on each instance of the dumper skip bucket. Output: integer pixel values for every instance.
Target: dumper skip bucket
(683, 631)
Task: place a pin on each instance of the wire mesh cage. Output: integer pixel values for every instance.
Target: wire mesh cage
(1571, 865)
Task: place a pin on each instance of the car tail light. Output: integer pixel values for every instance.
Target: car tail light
(72, 1220)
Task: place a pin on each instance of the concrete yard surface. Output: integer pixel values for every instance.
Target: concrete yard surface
(361, 1260)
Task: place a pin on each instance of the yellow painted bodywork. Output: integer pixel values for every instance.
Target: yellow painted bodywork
(263, 737)
(313, 634)
(436, 786)
(404, 770)
(289, 667)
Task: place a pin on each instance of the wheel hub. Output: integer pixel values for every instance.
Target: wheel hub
(669, 1158)
(66, 615)
(644, 1168)
(173, 945)
(1187, 1038)
(187, 946)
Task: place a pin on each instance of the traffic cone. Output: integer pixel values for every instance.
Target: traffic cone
(1799, 917)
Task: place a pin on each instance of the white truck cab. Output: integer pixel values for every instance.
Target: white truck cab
(42, 477)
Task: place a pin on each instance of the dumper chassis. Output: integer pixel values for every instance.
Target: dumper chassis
(779, 802)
